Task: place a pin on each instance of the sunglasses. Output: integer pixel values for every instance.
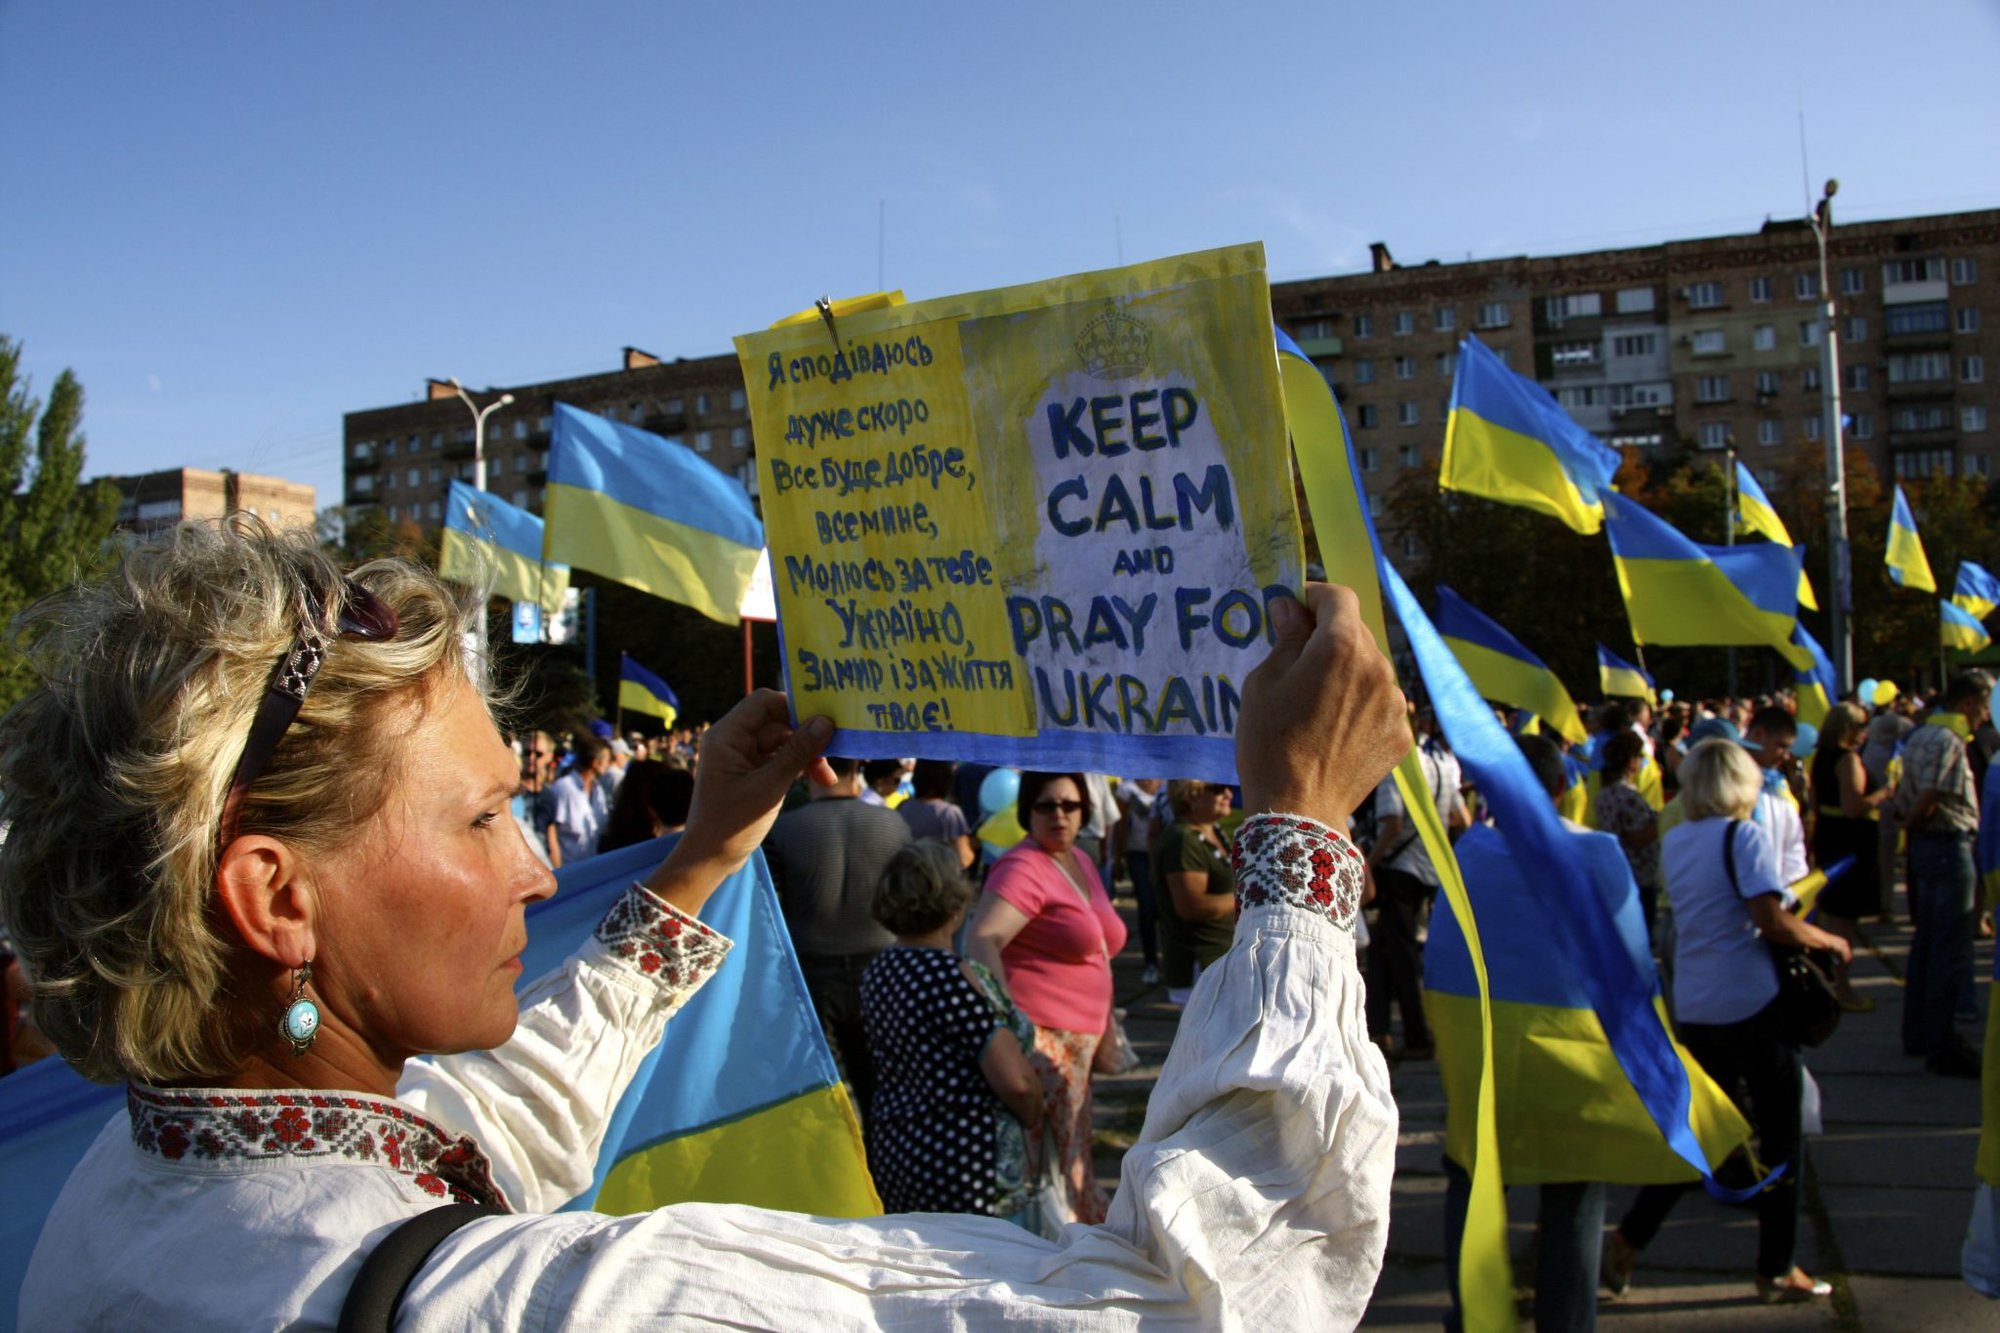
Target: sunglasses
(1056, 807)
(362, 616)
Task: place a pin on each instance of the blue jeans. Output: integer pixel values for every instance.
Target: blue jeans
(1139, 865)
(1569, 1241)
(1941, 882)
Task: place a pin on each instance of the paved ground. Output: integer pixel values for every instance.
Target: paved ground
(1888, 1190)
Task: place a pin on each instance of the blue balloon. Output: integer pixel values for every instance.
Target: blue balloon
(1865, 692)
(1807, 740)
(999, 790)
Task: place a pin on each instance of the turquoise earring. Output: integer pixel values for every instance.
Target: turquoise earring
(301, 1021)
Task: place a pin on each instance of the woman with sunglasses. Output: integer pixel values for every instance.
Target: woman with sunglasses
(262, 875)
(1047, 932)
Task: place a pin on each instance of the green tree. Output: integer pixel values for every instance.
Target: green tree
(52, 531)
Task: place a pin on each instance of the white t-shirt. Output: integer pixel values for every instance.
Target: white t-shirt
(579, 818)
(1722, 967)
(1779, 819)
(1441, 775)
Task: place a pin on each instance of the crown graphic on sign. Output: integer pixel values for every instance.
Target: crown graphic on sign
(1114, 346)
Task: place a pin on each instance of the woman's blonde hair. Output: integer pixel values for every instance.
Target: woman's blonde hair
(116, 766)
(1719, 779)
(1842, 721)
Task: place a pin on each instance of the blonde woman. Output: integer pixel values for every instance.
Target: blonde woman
(262, 872)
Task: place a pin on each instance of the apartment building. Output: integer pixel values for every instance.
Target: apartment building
(155, 500)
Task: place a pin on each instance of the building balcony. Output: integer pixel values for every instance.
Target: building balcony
(1315, 348)
(667, 423)
(362, 495)
(459, 450)
(1903, 391)
(364, 461)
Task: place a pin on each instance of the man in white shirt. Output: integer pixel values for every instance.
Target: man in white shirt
(1405, 880)
(1769, 742)
(579, 804)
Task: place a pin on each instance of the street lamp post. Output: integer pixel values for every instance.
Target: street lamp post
(479, 415)
(1842, 647)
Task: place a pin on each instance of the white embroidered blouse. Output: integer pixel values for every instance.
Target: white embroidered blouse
(1256, 1197)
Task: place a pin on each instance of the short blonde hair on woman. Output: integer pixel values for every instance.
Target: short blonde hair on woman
(1719, 779)
(116, 765)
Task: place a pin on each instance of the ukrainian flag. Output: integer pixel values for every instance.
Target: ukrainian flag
(1506, 439)
(1502, 667)
(1814, 688)
(1620, 679)
(1905, 557)
(1568, 1108)
(1976, 591)
(1679, 592)
(640, 691)
(1756, 513)
(485, 537)
(1986, 857)
(1961, 630)
(740, 1102)
(649, 513)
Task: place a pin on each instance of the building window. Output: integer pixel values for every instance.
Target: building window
(1635, 300)
(1364, 326)
(1369, 459)
(1635, 344)
(1410, 455)
(1764, 338)
(520, 462)
(416, 477)
(1367, 416)
(1574, 354)
(1971, 369)
(1709, 342)
(543, 425)
(1640, 395)
(1761, 290)
(1977, 465)
(432, 509)
(1411, 550)
(739, 437)
(1809, 379)
(392, 513)
(1808, 333)
(1770, 432)
(1312, 330)
(1444, 409)
(1805, 286)
(1582, 395)
(389, 449)
(1918, 317)
(1403, 322)
(1406, 367)
(1853, 282)
(1506, 355)
(1374, 505)
(437, 474)
(1712, 389)
(1919, 367)
(1814, 425)
(1447, 363)
(1495, 315)
(1444, 319)
(1919, 418)
(1714, 434)
(437, 440)
(1406, 414)
(1864, 426)
(1968, 322)
(1767, 383)
(1922, 463)
(1857, 329)
(703, 441)
(1857, 376)
(520, 497)
(1704, 295)
(736, 400)
(1972, 418)
(1912, 270)
(1964, 272)
(1584, 305)
(1364, 371)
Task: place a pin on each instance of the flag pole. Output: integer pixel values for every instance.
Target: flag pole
(618, 710)
(749, 677)
(1729, 530)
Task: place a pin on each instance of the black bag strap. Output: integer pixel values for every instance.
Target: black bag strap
(1729, 855)
(392, 1265)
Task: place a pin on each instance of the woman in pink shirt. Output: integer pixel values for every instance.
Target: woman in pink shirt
(1046, 929)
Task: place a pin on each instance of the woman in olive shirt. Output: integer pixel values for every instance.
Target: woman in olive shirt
(1194, 884)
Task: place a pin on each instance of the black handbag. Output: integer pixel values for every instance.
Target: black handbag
(1808, 1006)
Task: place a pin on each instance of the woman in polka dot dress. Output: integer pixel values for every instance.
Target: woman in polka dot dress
(956, 1102)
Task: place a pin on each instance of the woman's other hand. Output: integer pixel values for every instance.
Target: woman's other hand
(1323, 720)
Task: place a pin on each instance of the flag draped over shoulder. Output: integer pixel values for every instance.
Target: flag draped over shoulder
(1679, 592)
(1908, 565)
(1506, 439)
(1959, 629)
(484, 537)
(1975, 591)
(650, 513)
(640, 691)
(1814, 687)
(740, 1103)
(1503, 668)
(1622, 679)
(1756, 513)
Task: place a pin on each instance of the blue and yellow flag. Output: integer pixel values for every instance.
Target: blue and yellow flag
(1815, 687)
(649, 513)
(640, 691)
(1505, 438)
(1975, 591)
(1908, 565)
(1986, 858)
(1960, 629)
(1503, 668)
(485, 537)
(1756, 513)
(1621, 679)
(740, 1102)
(1679, 592)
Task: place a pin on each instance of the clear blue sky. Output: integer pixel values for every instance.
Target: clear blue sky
(236, 221)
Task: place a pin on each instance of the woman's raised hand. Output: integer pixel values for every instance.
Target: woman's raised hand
(1323, 720)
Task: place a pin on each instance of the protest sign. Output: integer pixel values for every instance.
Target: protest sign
(1037, 526)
